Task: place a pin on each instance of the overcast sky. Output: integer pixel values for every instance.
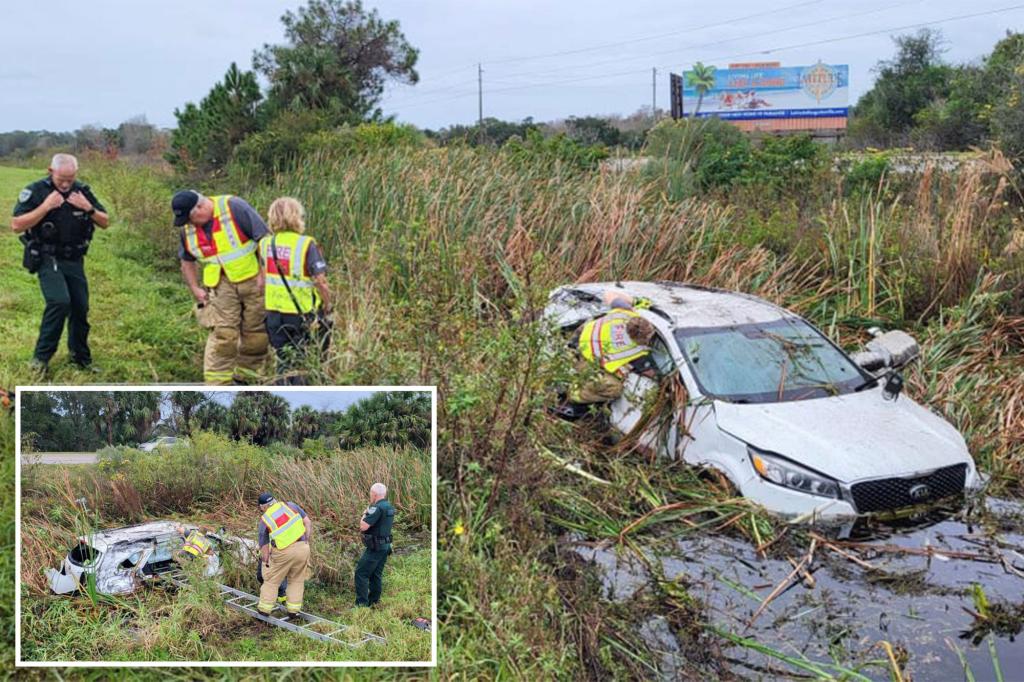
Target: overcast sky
(65, 64)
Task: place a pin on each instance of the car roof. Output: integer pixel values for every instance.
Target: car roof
(104, 539)
(689, 305)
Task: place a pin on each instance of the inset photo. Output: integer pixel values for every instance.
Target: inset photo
(169, 526)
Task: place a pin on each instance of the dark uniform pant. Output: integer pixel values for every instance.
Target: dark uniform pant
(66, 292)
(369, 572)
(292, 338)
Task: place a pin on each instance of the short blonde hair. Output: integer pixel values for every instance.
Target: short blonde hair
(286, 213)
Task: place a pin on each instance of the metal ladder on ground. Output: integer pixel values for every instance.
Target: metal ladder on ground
(303, 623)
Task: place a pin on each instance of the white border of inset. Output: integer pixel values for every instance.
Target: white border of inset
(224, 664)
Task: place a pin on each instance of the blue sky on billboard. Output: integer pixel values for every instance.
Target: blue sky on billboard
(542, 59)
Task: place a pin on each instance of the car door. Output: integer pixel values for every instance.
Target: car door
(639, 392)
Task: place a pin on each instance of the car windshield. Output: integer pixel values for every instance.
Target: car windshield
(767, 362)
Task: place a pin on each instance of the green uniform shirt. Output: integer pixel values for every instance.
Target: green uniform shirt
(380, 517)
(70, 223)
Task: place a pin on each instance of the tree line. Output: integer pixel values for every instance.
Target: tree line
(920, 99)
(135, 136)
(85, 421)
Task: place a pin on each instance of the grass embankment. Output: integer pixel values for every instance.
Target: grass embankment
(142, 330)
(214, 483)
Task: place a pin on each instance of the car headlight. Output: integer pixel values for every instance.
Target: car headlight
(774, 469)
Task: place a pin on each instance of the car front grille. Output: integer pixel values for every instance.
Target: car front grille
(892, 493)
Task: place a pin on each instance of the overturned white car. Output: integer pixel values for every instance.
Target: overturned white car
(792, 421)
(122, 559)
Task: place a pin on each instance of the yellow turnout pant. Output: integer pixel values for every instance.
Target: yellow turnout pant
(236, 348)
(292, 562)
(599, 387)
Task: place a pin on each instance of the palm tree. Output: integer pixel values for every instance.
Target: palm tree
(702, 79)
(211, 416)
(260, 418)
(185, 404)
(306, 423)
(398, 418)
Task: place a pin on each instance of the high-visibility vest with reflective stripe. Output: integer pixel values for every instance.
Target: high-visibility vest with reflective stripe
(196, 544)
(226, 248)
(284, 523)
(606, 341)
(292, 249)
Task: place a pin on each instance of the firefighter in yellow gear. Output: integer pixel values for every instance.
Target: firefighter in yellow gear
(297, 297)
(617, 342)
(217, 251)
(284, 533)
(195, 545)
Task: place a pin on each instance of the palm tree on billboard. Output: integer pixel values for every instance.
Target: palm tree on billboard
(701, 79)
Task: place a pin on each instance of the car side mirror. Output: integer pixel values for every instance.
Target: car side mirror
(893, 349)
(893, 386)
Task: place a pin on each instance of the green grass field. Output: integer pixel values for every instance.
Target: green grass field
(142, 327)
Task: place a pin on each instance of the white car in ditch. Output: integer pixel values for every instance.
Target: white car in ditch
(162, 442)
(122, 559)
(792, 421)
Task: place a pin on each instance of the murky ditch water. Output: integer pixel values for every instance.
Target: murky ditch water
(891, 590)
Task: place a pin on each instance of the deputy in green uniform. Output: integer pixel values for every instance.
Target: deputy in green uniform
(55, 218)
(376, 528)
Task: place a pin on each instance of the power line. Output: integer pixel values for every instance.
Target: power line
(872, 33)
(654, 37)
(695, 46)
(607, 45)
(742, 54)
(647, 58)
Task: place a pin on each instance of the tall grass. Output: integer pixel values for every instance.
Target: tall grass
(441, 261)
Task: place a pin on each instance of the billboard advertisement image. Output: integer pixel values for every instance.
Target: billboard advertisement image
(765, 92)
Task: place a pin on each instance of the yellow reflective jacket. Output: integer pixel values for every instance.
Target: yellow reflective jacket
(226, 249)
(605, 340)
(292, 249)
(284, 524)
(197, 544)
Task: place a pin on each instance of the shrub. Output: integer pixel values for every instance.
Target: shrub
(281, 450)
(865, 175)
(786, 165)
(295, 134)
(697, 154)
(556, 150)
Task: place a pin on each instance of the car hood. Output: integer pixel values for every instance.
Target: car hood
(849, 437)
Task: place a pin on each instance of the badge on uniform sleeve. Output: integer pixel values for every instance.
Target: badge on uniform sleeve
(370, 510)
(24, 195)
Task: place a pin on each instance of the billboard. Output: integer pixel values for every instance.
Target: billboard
(752, 92)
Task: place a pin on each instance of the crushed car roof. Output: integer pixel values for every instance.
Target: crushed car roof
(142, 532)
(689, 305)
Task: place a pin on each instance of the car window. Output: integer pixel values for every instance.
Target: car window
(661, 357)
(777, 361)
(83, 554)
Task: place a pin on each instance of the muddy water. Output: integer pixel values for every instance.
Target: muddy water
(916, 603)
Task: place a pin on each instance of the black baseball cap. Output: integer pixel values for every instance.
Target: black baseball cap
(182, 205)
(266, 498)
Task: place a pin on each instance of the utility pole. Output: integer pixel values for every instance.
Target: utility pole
(654, 94)
(480, 95)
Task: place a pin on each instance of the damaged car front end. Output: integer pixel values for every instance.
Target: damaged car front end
(793, 422)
